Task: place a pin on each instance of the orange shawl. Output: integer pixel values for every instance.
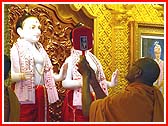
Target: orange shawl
(138, 103)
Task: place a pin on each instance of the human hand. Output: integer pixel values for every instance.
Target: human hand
(26, 75)
(83, 66)
(114, 78)
(64, 72)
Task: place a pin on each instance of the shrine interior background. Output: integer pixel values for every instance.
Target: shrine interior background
(117, 30)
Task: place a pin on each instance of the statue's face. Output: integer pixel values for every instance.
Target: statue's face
(31, 29)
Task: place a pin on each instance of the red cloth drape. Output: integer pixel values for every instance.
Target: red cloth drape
(35, 112)
(70, 113)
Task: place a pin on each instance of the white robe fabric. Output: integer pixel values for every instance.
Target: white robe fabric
(72, 61)
(22, 60)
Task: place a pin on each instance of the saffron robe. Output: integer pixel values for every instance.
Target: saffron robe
(138, 103)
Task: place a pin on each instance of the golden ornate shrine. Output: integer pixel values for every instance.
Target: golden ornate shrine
(116, 33)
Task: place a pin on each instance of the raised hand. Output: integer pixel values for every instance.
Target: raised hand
(83, 66)
(86, 97)
(64, 72)
(114, 78)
